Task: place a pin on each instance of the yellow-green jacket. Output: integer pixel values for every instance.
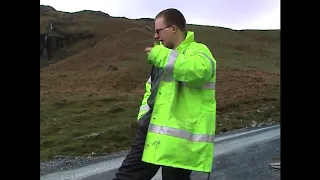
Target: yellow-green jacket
(182, 125)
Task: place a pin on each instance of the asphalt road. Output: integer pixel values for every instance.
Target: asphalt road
(250, 163)
(238, 156)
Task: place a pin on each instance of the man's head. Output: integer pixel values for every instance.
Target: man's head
(170, 27)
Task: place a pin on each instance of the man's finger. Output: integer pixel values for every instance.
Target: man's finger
(147, 49)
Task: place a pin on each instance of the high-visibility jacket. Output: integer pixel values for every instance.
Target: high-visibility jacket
(182, 125)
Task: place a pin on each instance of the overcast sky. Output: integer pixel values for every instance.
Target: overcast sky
(234, 14)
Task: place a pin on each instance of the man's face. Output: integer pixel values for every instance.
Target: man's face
(163, 33)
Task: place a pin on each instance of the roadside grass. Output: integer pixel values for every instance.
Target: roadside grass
(82, 121)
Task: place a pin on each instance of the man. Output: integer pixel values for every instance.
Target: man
(176, 121)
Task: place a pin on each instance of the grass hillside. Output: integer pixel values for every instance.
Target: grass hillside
(89, 101)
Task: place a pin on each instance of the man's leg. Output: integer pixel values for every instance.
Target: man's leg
(170, 173)
(132, 167)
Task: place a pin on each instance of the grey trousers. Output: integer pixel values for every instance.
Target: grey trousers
(133, 168)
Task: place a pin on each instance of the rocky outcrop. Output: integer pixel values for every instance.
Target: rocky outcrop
(55, 40)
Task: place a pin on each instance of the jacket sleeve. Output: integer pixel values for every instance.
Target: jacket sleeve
(144, 107)
(195, 68)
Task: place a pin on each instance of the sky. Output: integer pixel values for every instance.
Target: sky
(234, 14)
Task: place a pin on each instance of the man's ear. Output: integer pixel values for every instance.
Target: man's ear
(174, 28)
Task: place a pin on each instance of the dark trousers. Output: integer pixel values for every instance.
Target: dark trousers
(133, 168)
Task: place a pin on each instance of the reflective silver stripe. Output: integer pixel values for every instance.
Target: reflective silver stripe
(144, 108)
(167, 78)
(170, 63)
(210, 85)
(181, 134)
(211, 61)
(149, 80)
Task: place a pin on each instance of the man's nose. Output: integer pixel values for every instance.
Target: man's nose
(156, 36)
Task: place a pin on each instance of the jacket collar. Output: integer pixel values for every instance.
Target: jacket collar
(187, 41)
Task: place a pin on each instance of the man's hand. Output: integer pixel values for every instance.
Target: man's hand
(147, 50)
(157, 55)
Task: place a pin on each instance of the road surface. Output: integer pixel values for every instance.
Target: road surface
(238, 156)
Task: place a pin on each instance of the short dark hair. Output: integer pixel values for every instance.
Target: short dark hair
(173, 17)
